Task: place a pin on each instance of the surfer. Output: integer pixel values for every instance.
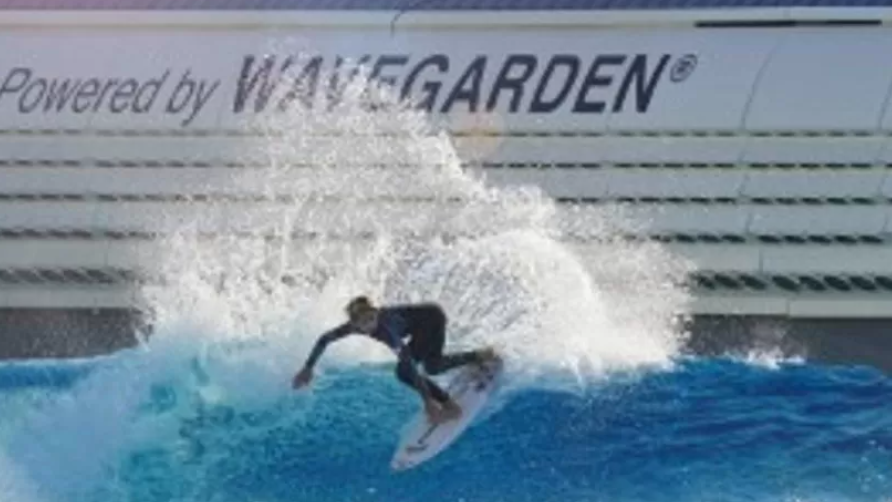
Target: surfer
(425, 326)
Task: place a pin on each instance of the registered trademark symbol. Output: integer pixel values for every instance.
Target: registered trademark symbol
(683, 68)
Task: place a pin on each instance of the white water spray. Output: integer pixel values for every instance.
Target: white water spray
(360, 203)
(377, 203)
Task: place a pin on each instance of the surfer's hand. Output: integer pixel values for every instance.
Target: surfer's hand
(302, 378)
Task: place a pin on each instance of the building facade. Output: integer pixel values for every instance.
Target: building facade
(752, 138)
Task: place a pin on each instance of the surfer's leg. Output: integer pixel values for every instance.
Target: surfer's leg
(428, 347)
(445, 362)
(404, 373)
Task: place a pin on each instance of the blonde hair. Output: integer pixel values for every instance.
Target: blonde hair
(357, 305)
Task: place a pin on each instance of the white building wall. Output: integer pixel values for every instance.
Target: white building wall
(763, 154)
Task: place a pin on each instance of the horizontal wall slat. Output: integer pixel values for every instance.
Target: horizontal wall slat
(820, 220)
(839, 306)
(615, 149)
(668, 149)
(31, 296)
(719, 257)
(145, 256)
(125, 181)
(558, 183)
(814, 184)
(809, 260)
(847, 150)
(836, 306)
(412, 216)
(533, 150)
(134, 149)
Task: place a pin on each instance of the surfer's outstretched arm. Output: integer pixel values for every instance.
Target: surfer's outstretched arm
(304, 376)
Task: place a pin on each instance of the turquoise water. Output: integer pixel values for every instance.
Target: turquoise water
(698, 430)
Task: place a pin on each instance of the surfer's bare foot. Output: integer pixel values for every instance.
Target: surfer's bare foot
(451, 410)
(437, 417)
(434, 412)
(438, 413)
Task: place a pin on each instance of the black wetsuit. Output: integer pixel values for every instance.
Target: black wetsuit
(425, 325)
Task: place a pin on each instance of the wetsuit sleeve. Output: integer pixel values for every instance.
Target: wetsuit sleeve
(323, 341)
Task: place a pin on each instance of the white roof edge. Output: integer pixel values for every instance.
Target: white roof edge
(427, 19)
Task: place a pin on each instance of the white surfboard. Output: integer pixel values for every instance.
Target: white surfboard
(470, 388)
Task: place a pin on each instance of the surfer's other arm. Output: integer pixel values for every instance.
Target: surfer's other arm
(305, 375)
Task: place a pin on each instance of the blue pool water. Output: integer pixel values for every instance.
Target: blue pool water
(697, 430)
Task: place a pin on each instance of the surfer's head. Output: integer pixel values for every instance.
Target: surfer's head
(363, 315)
